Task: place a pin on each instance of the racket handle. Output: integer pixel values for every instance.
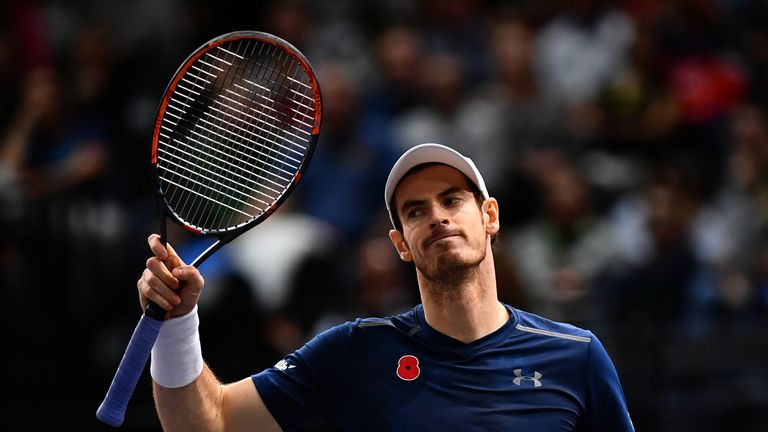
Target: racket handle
(112, 409)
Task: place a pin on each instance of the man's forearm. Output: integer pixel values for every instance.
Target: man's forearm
(194, 407)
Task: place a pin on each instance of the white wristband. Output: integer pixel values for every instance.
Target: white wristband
(177, 358)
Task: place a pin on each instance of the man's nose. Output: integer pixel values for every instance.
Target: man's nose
(438, 216)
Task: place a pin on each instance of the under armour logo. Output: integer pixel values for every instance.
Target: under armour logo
(283, 365)
(536, 378)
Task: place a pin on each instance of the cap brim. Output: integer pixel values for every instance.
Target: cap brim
(431, 153)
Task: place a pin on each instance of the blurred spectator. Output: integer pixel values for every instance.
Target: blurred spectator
(645, 287)
(385, 287)
(530, 119)
(733, 224)
(459, 27)
(290, 20)
(395, 88)
(50, 152)
(380, 284)
(509, 119)
(353, 158)
(730, 237)
(727, 300)
(639, 111)
(582, 49)
(293, 267)
(558, 255)
(442, 77)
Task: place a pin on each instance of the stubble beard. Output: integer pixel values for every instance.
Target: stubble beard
(448, 269)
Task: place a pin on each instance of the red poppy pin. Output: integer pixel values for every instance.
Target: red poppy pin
(408, 368)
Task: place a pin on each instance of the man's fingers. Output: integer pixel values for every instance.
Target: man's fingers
(167, 281)
(160, 270)
(191, 276)
(156, 246)
(167, 253)
(151, 287)
(174, 260)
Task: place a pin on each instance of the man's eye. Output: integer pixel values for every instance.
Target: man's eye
(452, 201)
(414, 213)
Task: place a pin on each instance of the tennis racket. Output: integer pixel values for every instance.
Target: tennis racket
(235, 130)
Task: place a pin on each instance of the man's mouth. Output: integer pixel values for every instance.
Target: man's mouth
(441, 236)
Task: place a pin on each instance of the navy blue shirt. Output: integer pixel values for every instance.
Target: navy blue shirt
(399, 374)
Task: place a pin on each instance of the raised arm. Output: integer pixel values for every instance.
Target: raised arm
(188, 396)
(208, 405)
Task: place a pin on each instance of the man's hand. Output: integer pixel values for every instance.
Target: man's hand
(167, 281)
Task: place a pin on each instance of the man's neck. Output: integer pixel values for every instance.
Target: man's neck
(468, 310)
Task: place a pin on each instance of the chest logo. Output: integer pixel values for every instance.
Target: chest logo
(408, 368)
(519, 377)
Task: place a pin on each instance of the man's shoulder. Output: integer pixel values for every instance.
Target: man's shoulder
(407, 318)
(538, 325)
(400, 322)
(394, 325)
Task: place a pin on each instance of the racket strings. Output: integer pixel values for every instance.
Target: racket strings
(234, 134)
(214, 211)
(272, 143)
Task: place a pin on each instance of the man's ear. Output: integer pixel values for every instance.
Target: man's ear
(491, 216)
(400, 245)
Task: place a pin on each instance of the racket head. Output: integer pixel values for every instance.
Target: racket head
(235, 131)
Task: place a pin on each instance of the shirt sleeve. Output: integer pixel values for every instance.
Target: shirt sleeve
(606, 406)
(307, 384)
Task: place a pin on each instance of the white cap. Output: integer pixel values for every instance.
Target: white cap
(430, 153)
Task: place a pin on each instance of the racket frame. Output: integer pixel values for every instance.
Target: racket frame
(113, 407)
(231, 233)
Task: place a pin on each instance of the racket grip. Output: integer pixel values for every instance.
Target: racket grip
(112, 409)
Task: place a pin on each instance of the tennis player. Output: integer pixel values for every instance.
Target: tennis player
(461, 360)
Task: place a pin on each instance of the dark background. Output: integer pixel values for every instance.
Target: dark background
(627, 142)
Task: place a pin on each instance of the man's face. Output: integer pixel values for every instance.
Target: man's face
(444, 231)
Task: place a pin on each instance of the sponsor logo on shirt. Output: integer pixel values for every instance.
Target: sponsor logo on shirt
(283, 365)
(519, 378)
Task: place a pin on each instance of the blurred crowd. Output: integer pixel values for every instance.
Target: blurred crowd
(626, 140)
